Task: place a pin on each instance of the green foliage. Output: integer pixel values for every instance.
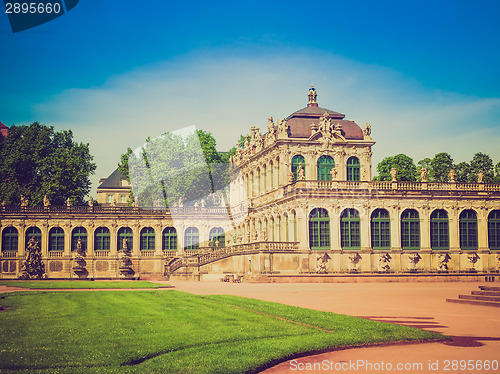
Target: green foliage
(440, 168)
(483, 162)
(407, 170)
(424, 164)
(463, 173)
(170, 332)
(171, 168)
(36, 161)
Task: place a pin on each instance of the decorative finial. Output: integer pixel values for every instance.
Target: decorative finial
(312, 97)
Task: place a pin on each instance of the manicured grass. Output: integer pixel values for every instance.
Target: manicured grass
(169, 332)
(79, 284)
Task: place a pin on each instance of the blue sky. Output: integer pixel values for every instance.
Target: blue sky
(423, 73)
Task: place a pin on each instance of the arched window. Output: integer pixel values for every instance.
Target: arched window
(380, 226)
(192, 238)
(169, 239)
(125, 235)
(79, 233)
(325, 165)
(440, 230)
(296, 161)
(10, 239)
(494, 230)
(353, 173)
(264, 173)
(319, 229)
(35, 233)
(217, 233)
(410, 229)
(468, 230)
(349, 229)
(271, 171)
(56, 239)
(147, 239)
(102, 239)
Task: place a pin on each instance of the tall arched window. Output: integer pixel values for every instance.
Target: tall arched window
(10, 239)
(78, 233)
(353, 173)
(169, 242)
(102, 239)
(192, 238)
(296, 161)
(468, 230)
(147, 239)
(349, 229)
(264, 172)
(217, 233)
(125, 234)
(325, 165)
(56, 239)
(380, 226)
(319, 229)
(494, 230)
(35, 233)
(440, 230)
(271, 171)
(410, 229)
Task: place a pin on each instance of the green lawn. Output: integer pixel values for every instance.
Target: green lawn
(79, 284)
(169, 332)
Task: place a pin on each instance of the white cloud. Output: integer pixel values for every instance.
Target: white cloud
(227, 93)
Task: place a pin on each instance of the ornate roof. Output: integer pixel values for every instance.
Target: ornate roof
(300, 122)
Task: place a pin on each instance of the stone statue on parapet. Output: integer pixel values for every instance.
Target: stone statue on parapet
(480, 176)
(423, 175)
(452, 175)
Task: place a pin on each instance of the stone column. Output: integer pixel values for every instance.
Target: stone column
(425, 230)
(395, 230)
(45, 240)
(113, 244)
(482, 230)
(90, 240)
(365, 229)
(21, 241)
(180, 240)
(158, 240)
(302, 229)
(335, 242)
(136, 230)
(67, 239)
(453, 226)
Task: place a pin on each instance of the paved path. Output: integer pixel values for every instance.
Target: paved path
(475, 329)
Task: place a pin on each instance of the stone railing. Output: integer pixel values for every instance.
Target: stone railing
(101, 253)
(147, 253)
(56, 253)
(9, 254)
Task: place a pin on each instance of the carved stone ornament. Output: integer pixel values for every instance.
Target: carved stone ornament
(480, 176)
(394, 174)
(452, 175)
(443, 259)
(367, 131)
(24, 201)
(300, 173)
(384, 260)
(68, 202)
(354, 261)
(333, 173)
(91, 201)
(413, 258)
(423, 175)
(291, 177)
(321, 261)
(46, 202)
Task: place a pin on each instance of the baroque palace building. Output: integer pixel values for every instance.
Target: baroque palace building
(302, 205)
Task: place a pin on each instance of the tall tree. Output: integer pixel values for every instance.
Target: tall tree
(36, 161)
(497, 173)
(170, 169)
(407, 171)
(482, 161)
(463, 173)
(441, 165)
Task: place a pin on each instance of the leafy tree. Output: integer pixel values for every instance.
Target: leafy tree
(483, 162)
(36, 161)
(440, 167)
(171, 168)
(463, 173)
(407, 171)
(497, 173)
